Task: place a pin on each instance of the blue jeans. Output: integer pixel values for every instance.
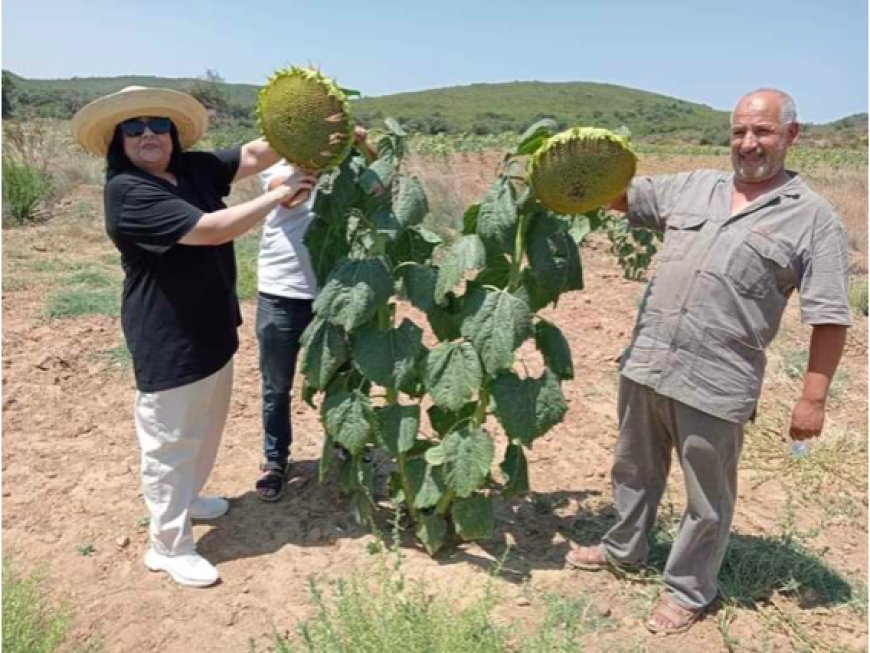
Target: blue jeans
(280, 323)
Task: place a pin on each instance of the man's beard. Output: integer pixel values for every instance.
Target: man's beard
(755, 171)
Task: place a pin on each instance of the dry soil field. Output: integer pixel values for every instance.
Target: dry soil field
(797, 563)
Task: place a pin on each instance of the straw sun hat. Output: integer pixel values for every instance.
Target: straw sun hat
(94, 124)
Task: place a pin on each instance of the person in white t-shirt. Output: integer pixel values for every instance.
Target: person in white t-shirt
(287, 288)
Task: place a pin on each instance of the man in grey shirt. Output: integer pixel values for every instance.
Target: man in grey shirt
(736, 245)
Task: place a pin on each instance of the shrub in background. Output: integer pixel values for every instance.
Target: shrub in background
(24, 187)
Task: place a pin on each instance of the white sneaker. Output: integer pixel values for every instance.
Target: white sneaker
(208, 507)
(190, 569)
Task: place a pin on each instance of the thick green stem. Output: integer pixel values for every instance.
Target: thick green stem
(516, 277)
(444, 503)
(482, 404)
(385, 321)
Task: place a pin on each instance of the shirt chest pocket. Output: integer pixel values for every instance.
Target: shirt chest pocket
(760, 265)
(681, 234)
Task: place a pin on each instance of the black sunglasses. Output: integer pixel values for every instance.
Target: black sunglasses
(135, 127)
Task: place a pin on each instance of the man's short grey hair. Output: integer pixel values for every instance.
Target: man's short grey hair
(788, 112)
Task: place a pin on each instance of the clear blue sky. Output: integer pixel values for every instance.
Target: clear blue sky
(708, 52)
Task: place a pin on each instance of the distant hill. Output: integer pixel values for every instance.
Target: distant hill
(476, 108)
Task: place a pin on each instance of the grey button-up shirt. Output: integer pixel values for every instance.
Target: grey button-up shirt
(723, 281)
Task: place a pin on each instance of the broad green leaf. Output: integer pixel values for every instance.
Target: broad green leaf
(474, 517)
(388, 357)
(515, 469)
(398, 427)
(354, 292)
(528, 408)
(326, 350)
(436, 455)
(415, 473)
(468, 456)
(497, 217)
(413, 244)
(377, 179)
(418, 283)
(553, 255)
(431, 530)
(453, 374)
(467, 253)
(337, 191)
(326, 242)
(469, 219)
(409, 201)
(394, 127)
(349, 419)
(496, 322)
(444, 421)
(431, 489)
(555, 349)
(535, 136)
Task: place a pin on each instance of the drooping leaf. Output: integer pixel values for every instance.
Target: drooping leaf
(413, 244)
(515, 469)
(326, 350)
(453, 374)
(467, 456)
(388, 356)
(377, 179)
(409, 201)
(418, 283)
(337, 192)
(538, 295)
(467, 253)
(553, 255)
(354, 292)
(497, 217)
(349, 419)
(431, 530)
(431, 488)
(555, 349)
(444, 421)
(469, 219)
(474, 517)
(398, 427)
(327, 244)
(445, 320)
(496, 322)
(528, 408)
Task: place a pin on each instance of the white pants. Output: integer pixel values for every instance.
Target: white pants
(179, 431)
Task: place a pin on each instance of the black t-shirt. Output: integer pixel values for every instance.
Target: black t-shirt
(180, 312)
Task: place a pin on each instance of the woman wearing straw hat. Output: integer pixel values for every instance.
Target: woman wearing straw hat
(165, 214)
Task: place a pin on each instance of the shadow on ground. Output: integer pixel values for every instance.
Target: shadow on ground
(317, 514)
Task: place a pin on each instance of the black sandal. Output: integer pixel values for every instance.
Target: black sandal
(270, 486)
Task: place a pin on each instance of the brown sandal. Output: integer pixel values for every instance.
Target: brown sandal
(587, 558)
(593, 558)
(668, 618)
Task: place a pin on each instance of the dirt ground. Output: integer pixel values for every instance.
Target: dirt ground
(72, 505)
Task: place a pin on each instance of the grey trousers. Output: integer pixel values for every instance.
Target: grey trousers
(708, 449)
